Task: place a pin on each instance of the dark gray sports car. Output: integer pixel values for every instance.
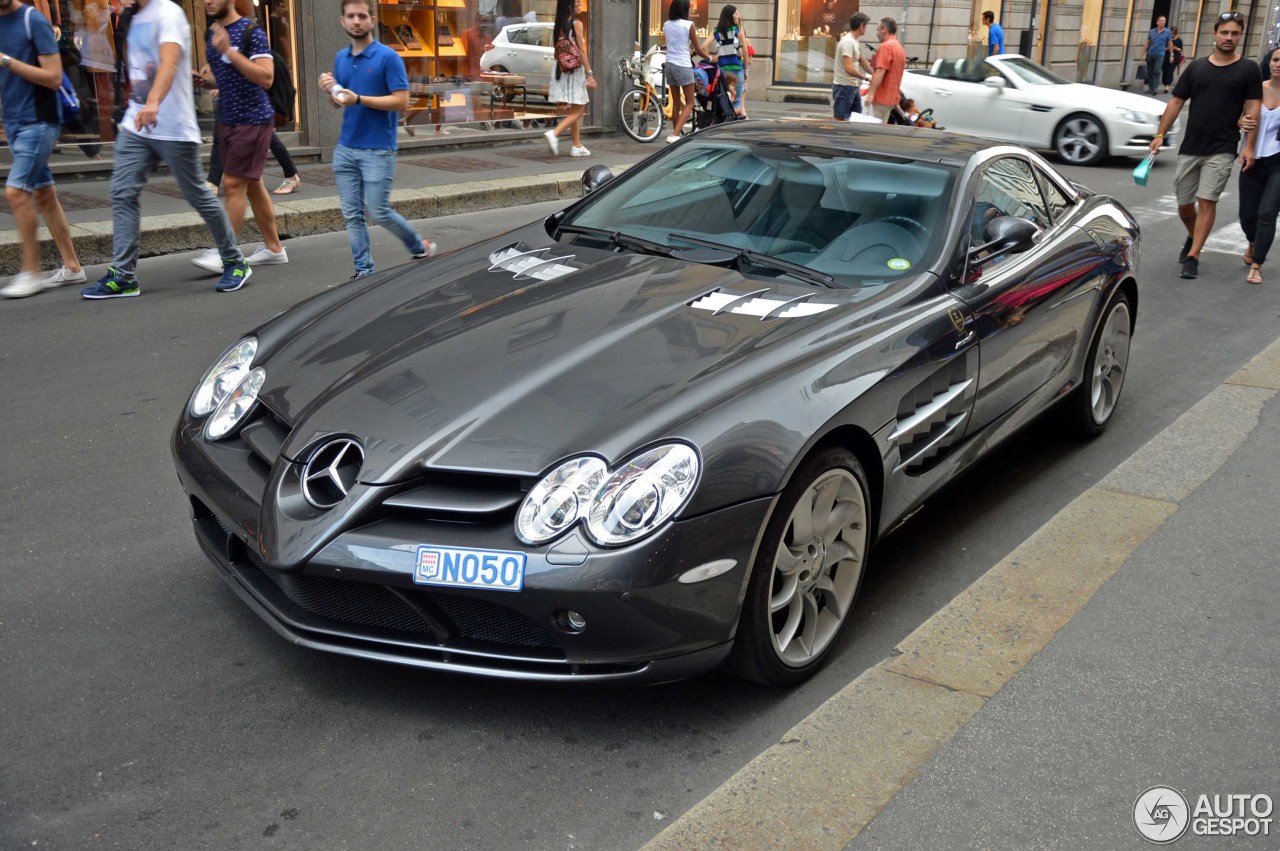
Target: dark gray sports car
(660, 430)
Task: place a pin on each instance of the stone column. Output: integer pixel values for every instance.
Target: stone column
(613, 34)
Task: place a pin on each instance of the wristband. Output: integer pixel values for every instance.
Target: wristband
(357, 99)
(1158, 136)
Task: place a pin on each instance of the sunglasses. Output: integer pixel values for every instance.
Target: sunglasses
(1231, 16)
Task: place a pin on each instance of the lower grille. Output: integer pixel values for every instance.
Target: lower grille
(378, 606)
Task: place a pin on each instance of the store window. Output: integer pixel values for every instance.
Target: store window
(807, 34)
(484, 63)
(86, 31)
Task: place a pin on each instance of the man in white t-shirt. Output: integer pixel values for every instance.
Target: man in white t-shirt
(851, 69)
(160, 126)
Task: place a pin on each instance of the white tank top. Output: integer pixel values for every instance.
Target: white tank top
(1268, 125)
(677, 34)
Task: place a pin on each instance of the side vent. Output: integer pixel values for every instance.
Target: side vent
(931, 417)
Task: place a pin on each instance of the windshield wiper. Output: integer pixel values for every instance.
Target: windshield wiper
(813, 276)
(622, 240)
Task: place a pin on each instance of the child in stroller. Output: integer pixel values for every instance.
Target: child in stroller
(714, 93)
(907, 114)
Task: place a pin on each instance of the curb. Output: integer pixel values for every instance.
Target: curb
(174, 232)
(831, 775)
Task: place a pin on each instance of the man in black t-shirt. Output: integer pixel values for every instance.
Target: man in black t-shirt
(1222, 87)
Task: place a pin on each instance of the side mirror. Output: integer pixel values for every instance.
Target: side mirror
(995, 81)
(595, 177)
(1007, 235)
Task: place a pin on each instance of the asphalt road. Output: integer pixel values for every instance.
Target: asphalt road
(143, 706)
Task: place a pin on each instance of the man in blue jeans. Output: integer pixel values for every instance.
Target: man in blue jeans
(370, 83)
(1158, 41)
(160, 126)
(30, 72)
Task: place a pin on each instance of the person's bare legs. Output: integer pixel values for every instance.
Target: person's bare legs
(573, 123)
(236, 190)
(55, 219)
(1206, 212)
(264, 213)
(686, 108)
(24, 215)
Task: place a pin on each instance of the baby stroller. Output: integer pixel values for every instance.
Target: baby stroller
(712, 100)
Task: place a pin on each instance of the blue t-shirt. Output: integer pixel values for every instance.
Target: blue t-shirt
(1160, 42)
(240, 100)
(995, 40)
(375, 71)
(25, 102)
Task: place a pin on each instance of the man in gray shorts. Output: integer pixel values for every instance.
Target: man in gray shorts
(1222, 87)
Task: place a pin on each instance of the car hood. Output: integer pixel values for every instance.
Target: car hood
(1085, 96)
(466, 363)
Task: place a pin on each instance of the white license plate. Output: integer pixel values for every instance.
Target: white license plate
(460, 567)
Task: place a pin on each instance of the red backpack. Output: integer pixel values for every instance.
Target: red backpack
(568, 57)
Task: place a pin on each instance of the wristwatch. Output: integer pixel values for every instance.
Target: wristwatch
(5, 59)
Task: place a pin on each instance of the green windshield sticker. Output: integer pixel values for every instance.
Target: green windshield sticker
(899, 264)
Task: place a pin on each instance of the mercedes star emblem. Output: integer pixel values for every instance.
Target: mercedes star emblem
(331, 472)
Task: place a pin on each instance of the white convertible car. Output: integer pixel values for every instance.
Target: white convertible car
(1009, 98)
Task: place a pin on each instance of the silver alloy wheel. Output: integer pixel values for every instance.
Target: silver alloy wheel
(817, 566)
(1080, 140)
(1110, 362)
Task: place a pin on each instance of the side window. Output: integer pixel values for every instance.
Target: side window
(541, 36)
(518, 36)
(988, 70)
(1058, 203)
(1007, 188)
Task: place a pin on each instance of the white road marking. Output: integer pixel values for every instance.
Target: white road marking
(1228, 239)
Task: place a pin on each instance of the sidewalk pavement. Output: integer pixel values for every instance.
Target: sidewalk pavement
(429, 182)
(1131, 642)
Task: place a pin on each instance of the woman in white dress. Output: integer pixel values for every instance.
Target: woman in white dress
(569, 84)
(682, 43)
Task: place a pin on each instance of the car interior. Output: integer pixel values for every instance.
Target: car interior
(856, 217)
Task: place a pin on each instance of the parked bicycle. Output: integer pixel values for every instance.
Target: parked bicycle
(646, 105)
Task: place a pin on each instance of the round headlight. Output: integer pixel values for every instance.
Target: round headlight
(559, 500)
(223, 377)
(643, 494)
(232, 410)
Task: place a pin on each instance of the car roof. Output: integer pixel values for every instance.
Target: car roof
(911, 143)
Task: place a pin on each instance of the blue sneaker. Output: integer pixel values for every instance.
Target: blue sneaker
(234, 276)
(112, 285)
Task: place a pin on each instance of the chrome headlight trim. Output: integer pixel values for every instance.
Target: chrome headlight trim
(232, 410)
(221, 379)
(643, 494)
(559, 499)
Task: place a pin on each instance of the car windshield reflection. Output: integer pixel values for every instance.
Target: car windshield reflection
(857, 219)
(1033, 74)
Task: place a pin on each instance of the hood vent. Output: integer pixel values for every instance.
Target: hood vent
(533, 264)
(759, 303)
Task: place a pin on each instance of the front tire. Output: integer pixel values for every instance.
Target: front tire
(1093, 404)
(1081, 139)
(641, 115)
(807, 572)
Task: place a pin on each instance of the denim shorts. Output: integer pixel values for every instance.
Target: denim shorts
(679, 75)
(31, 145)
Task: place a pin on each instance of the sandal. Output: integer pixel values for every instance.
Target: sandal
(1255, 276)
(1248, 255)
(288, 186)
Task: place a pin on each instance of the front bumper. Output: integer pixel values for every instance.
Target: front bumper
(355, 596)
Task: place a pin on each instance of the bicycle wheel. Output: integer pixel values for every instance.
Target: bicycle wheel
(641, 115)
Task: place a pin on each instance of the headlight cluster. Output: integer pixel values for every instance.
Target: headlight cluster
(229, 389)
(617, 507)
(1139, 117)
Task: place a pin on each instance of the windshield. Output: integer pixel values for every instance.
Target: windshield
(1033, 74)
(863, 221)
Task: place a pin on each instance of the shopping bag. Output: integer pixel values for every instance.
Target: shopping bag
(1143, 170)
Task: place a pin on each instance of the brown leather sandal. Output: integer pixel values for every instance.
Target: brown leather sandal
(1255, 276)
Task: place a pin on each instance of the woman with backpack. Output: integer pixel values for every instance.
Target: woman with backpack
(572, 78)
(730, 44)
(682, 43)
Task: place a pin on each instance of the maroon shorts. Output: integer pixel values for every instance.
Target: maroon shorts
(244, 149)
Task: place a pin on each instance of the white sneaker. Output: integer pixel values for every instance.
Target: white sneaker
(553, 142)
(671, 139)
(579, 151)
(428, 251)
(23, 285)
(64, 276)
(209, 260)
(265, 257)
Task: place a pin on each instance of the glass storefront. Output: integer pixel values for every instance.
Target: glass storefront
(805, 50)
(486, 63)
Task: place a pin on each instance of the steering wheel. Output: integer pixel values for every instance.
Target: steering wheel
(918, 230)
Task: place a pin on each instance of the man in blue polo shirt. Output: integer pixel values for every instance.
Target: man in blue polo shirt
(370, 83)
(1158, 42)
(995, 34)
